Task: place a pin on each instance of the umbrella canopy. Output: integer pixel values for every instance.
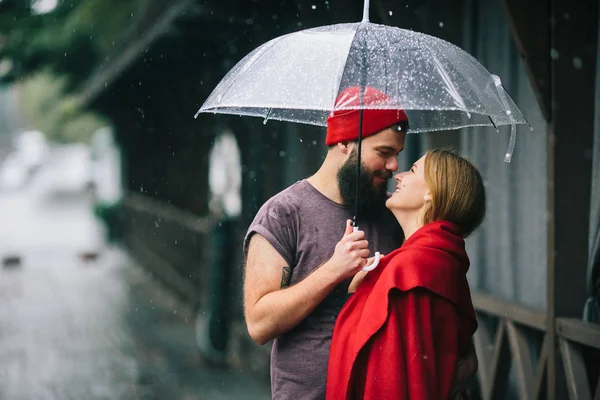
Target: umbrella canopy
(297, 77)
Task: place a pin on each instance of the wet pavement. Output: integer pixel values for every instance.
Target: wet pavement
(77, 326)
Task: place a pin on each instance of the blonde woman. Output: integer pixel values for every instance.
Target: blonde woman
(402, 332)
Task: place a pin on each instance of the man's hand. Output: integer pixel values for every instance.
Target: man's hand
(466, 367)
(350, 254)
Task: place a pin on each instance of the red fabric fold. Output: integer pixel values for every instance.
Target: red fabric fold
(401, 334)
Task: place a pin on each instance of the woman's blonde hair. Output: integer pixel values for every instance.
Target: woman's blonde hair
(457, 191)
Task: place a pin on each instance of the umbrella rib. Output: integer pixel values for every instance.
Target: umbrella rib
(469, 110)
(348, 57)
(493, 123)
(390, 41)
(393, 42)
(269, 111)
(453, 91)
(385, 61)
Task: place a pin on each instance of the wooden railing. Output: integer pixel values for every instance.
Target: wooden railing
(519, 341)
(170, 243)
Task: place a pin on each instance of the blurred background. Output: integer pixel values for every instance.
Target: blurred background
(122, 216)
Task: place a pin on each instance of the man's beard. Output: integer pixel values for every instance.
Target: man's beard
(371, 200)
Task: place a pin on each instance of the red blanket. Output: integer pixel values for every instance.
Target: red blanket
(400, 335)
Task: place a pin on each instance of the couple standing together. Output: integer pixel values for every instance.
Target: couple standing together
(401, 331)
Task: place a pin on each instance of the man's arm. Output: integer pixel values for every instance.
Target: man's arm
(271, 310)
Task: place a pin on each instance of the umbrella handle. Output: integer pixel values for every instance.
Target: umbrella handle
(375, 263)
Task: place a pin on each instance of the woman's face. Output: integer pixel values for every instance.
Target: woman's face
(411, 190)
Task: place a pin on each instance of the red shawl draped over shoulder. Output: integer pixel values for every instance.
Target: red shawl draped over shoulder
(401, 334)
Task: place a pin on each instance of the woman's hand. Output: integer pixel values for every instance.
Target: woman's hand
(358, 278)
(465, 368)
(356, 281)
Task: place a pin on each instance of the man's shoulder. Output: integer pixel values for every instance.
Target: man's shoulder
(276, 220)
(292, 193)
(284, 203)
(292, 196)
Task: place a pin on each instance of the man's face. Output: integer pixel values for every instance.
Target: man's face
(378, 163)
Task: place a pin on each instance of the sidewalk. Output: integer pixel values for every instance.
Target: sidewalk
(72, 328)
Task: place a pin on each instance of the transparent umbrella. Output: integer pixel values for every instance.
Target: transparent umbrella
(298, 77)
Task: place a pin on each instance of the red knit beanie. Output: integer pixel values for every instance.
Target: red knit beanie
(342, 125)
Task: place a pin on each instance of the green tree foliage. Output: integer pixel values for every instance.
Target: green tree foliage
(46, 107)
(70, 40)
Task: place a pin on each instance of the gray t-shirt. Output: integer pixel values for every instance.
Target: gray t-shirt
(304, 226)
